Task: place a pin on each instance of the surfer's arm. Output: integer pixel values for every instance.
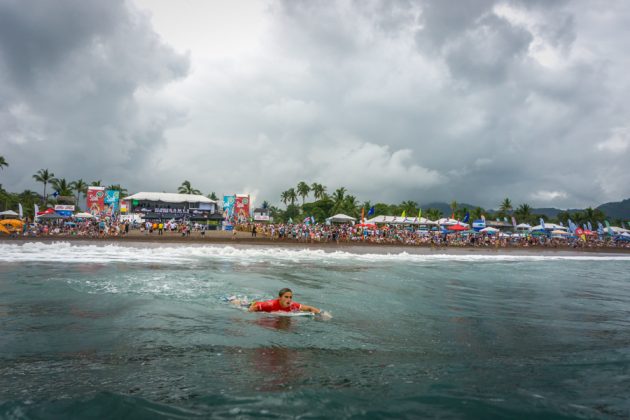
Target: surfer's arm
(306, 308)
(254, 307)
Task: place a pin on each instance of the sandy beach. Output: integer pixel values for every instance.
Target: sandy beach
(244, 239)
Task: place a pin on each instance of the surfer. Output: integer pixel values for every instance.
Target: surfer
(284, 303)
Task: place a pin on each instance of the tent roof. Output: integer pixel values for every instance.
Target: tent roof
(170, 197)
(549, 226)
(401, 220)
(341, 218)
(8, 213)
(523, 226)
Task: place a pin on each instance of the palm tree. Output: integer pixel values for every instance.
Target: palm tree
(434, 214)
(303, 189)
(506, 206)
(476, 213)
(265, 204)
(524, 212)
(44, 177)
(284, 196)
(80, 187)
(339, 195)
(291, 195)
(213, 196)
(186, 188)
(410, 207)
(350, 205)
(62, 187)
(319, 191)
(95, 183)
(3, 162)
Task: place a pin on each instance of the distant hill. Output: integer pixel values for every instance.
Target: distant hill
(617, 210)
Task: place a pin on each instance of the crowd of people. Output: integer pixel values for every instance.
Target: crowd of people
(317, 233)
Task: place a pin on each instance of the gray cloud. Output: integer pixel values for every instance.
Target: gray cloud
(427, 100)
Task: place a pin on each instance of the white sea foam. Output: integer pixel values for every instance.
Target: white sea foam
(66, 252)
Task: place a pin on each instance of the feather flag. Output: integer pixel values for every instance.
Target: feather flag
(404, 214)
(36, 211)
(20, 210)
(371, 211)
(542, 223)
(419, 214)
(466, 217)
(313, 219)
(590, 227)
(362, 215)
(610, 231)
(600, 228)
(514, 222)
(483, 218)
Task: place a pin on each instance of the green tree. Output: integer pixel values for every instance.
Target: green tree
(3, 162)
(62, 187)
(303, 189)
(291, 196)
(476, 213)
(95, 183)
(117, 187)
(264, 205)
(186, 188)
(80, 187)
(350, 206)
(213, 196)
(434, 214)
(506, 207)
(409, 207)
(319, 191)
(45, 177)
(524, 213)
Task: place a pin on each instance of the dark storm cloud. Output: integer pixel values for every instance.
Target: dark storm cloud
(77, 79)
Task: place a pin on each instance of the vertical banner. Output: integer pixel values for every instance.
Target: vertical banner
(111, 201)
(241, 209)
(95, 200)
(228, 206)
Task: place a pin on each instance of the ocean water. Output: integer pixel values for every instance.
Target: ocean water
(144, 331)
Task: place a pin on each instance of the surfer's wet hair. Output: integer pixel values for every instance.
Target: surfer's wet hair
(283, 291)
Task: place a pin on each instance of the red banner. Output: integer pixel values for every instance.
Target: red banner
(241, 207)
(95, 200)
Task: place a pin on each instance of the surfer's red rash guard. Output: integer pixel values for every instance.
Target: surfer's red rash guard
(274, 306)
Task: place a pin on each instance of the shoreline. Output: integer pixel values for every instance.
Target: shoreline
(244, 240)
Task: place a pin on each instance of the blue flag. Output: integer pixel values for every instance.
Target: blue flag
(590, 227)
(466, 217)
(313, 219)
(542, 223)
(371, 211)
(600, 228)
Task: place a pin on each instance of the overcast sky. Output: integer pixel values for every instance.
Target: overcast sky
(438, 100)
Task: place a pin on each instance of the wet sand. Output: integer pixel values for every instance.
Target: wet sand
(244, 239)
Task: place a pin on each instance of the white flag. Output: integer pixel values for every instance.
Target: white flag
(20, 209)
(36, 211)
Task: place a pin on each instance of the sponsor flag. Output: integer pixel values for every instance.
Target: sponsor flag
(36, 211)
(610, 231)
(514, 222)
(419, 214)
(584, 226)
(600, 228)
(623, 224)
(542, 223)
(371, 211)
(505, 219)
(590, 227)
(483, 218)
(466, 217)
(362, 214)
(20, 210)
(313, 219)
(404, 214)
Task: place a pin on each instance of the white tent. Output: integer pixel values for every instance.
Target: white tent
(615, 229)
(524, 226)
(550, 226)
(445, 221)
(393, 220)
(169, 197)
(340, 218)
(8, 213)
(84, 216)
(489, 230)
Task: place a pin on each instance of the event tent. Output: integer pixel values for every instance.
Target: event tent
(8, 213)
(550, 226)
(398, 220)
(84, 216)
(489, 230)
(169, 197)
(340, 218)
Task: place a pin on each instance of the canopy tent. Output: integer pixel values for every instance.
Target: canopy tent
(523, 226)
(393, 220)
(448, 221)
(340, 218)
(8, 213)
(625, 236)
(559, 232)
(618, 230)
(51, 216)
(457, 228)
(550, 226)
(489, 230)
(83, 216)
(169, 197)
